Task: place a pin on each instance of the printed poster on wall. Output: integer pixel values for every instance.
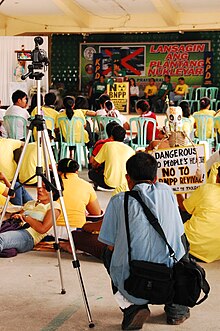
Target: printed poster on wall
(142, 61)
(177, 167)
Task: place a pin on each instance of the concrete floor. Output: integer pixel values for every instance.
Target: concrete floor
(31, 300)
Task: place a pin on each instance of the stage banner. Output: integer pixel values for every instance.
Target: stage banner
(142, 61)
(177, 167)
(178, 59)
(208, 68)
(119, 94)
(97, 65)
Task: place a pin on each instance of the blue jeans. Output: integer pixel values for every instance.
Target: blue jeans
(21, 196)
(176, 311)
(19, 239)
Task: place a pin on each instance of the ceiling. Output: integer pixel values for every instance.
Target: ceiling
(90, 16)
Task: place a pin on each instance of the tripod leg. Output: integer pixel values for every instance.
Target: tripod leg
(57, 246)
(16, 173)
(75, 261)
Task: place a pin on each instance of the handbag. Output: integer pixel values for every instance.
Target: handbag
(158, 283)
(190, 281)
(10, 224)
(147, 280)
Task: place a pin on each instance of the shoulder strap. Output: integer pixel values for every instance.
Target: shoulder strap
(151, 218)
(127, 225)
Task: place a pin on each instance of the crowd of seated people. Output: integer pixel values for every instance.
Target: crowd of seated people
(114, 165)
(107, 158)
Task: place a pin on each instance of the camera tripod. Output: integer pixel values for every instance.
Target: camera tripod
(43, 144)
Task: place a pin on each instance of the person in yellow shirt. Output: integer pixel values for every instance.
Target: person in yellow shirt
(213, 172)
(114, 155)
(79, 195)
(188, 120)
(48, 110)
(205, 110)
(4, 188)
(180, 91)
(39, 217)
(7, 162)
(81, 204)
(203, 227)
(29, 164)
(217, 124)
(150, 90)
(68, 113)
(19, 197)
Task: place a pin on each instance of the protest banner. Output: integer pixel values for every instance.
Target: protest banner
(177, 167)
(119, 95)
(142, 61)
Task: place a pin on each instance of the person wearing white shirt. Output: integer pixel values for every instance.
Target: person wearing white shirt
(134, 93)
(18, 108)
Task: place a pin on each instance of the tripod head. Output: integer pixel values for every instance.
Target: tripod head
(38, 75)
(39, 61)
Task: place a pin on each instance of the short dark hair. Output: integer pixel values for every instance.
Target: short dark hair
(81, 102)
(118, 133)
(67, 165)
(53, 182)
(185, 108)
(109, 127)
(103, 98)
(141, 167)
(50, 98)
(204, 103)
(143, 105)
(18, 95)
(34, 101)
(109, 104)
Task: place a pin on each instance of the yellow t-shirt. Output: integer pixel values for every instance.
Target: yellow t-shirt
(114, 154)
(28, 166)
(150, 90)
(38, 212)
(213, 173)
(77, 113)
(2, 198)
(122, 188)
(49, 112)
(7, 162)
(181, 89)
(188, 125)
(209, 123)
(46, 111)
(77, 194)
(203, 228)
(217, 124)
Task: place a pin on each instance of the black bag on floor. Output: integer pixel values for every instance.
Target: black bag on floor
(190, 281)
(158, 283)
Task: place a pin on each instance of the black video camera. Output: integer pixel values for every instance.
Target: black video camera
(39, 56)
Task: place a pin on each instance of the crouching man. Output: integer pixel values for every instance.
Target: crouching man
(146, 244)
